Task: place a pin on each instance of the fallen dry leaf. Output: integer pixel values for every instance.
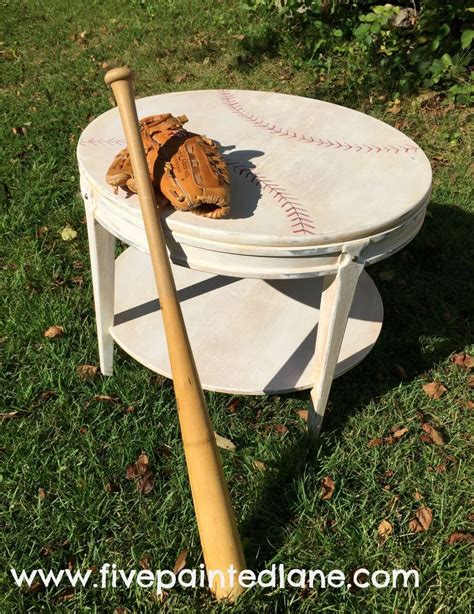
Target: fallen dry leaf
(105, 66)
(86, 371)
(442, 467)
(396, 108)
(224, 443)
(46, 551)
(83, 430)
(35, 587)
(433, 434)
(80, 38)
(328, 486)
(162, 597)
(141, 472)
(41, 494)
(164, 450)
(233, 405)
(281, 429)
(434, 390)
(456, 538)
(132, 471)
(400, 124)
(146, 483)
(41, 231)
(303, 414)
(306, 592)
(112, 487)
(54, 331)
(463, 360)
(361, 577)
(145, 561)
(68, 233)
(183, 77)
(331, 524)
(45, 395)
(143, 463)
(9, 414)
(65, 594)
(422, 520)
(470, 405)
(180, 562)
(384, 530)
(261, 466)
(470, 381)
(399, 433)
(377, 441)
(417, 495)
(389, 440)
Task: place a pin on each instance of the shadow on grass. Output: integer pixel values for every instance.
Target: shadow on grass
(266, 524)
(426, 319)
(426, 311)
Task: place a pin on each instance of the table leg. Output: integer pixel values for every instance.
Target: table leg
(336, 301)
(102, 256)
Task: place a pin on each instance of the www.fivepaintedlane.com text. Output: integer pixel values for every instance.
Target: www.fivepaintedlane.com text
(277, 576)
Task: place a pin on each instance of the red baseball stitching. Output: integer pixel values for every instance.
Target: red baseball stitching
(299, 217)
(234, 105)
(112, 141)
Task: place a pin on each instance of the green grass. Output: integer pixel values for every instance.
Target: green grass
(53, 87)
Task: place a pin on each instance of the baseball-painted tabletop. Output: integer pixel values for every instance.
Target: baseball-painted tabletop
(303, 172)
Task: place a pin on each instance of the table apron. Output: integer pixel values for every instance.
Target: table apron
(249, 261)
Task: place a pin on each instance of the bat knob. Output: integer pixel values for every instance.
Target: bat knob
(123, 73)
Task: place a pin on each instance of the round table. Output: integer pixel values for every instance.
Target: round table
(274, 296)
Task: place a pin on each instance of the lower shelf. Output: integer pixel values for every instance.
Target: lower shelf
(249, 336)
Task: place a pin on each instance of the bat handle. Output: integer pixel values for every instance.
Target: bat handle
(215, 517)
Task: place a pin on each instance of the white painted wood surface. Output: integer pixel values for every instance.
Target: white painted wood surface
(318, 190)
(336, 300)
(102, 255)
(249, 336)
(306, 175)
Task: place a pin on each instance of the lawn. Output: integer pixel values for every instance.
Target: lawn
(67, 440)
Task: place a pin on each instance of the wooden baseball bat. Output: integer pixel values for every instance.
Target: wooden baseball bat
(216, 522)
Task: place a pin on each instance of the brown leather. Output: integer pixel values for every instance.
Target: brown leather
(186, 168)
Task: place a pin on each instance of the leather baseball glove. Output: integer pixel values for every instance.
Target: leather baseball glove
(186, 169)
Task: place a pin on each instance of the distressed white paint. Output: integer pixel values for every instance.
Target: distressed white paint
(336, 301)
(249, 336)
(102, 256)
(346, 194)
(317, 190)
